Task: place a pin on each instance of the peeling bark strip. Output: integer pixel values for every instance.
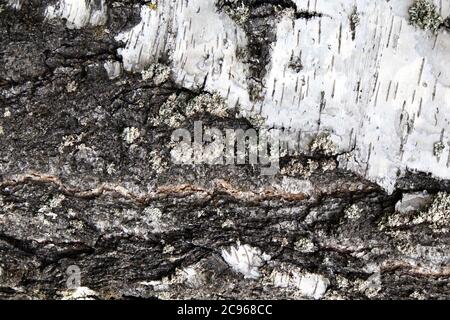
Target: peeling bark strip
(183, 190)
(91, 205)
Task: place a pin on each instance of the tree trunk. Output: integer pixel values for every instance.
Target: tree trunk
(93, 205)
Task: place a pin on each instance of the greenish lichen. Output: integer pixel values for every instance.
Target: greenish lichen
(424, 14)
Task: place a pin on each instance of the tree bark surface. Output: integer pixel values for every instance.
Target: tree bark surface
(87, 179)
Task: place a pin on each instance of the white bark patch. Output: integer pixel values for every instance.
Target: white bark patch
(313, 285)
(15, 4)
(385, 93)
(309, 285)
(113, 69)
(380, 88)
(79, 13)
(245, 260)
(202, 44)
(80, 293)
(147, 41)
(412, 202)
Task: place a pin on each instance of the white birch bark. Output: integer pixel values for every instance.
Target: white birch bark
(381, 90)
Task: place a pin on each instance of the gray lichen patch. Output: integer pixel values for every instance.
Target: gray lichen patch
(157, 73)
(236, 10)
(305, 245)
(439, 213)
(130, 135)
(438, 148)
(178, 108)
(353, 212)
(323, 144)
(213, 104)
(354, 21)
(308, 167)
(437, 216)
(424, 14)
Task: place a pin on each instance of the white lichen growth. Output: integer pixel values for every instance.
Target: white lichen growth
(418, 295)
(372, 286)
(158, 73)
(213, 104)
(353, 212)
(57, 201)
(323, 144)
(228, 224)
(438, 215)
(236, 10)
(157, 162)
(354, 17)
(111, 168)
(305, 245)
(54, 203)
(424, 14)
(342, 282)
(80, 293)
(295, 186)
(153, 218)
(169, 114)
(176, 110)
(245, 259)
(70, 141)
(438, 148)
(71, 87)
(130, 135)
(193, 277)
(295, 167)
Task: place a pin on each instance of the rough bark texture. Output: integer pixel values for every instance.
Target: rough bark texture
(87, 180)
